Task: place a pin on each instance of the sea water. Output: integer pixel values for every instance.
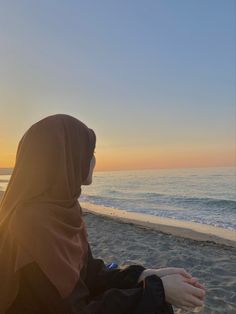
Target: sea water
(203, 195)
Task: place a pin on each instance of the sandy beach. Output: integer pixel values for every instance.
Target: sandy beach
(130, 243)
(127, 243)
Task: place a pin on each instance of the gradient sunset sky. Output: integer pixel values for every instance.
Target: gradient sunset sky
(154, 79)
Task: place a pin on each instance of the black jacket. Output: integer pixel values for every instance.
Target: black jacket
(99, 291)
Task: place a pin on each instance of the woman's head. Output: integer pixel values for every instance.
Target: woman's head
(61, 148)
(54, 158)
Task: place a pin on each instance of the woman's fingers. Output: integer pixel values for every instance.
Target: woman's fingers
(195, 301)
(184, 273)
(199, 285)
(194, 281)
(180, 271)
(198, 292)
(192, 302)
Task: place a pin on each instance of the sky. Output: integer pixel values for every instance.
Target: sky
(155, 79)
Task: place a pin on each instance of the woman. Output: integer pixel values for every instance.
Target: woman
(46, 264)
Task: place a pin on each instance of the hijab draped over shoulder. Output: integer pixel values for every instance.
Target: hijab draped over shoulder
(40, 216)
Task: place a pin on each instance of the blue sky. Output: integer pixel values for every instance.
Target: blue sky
(144, 74)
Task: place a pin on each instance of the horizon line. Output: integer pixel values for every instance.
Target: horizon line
(141, 169)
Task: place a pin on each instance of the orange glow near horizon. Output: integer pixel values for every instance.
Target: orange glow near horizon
(138, 160)
(113, 159)
(7, 153)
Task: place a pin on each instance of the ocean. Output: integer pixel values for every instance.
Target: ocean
(203, 195)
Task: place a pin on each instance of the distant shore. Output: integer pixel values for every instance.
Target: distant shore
(6, 171)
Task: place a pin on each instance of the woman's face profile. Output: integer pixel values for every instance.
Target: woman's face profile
(88, 180)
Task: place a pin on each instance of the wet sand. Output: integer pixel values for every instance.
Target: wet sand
(185, 229)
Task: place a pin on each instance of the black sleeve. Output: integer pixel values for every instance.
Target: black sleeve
(147, 297)
(99, 278)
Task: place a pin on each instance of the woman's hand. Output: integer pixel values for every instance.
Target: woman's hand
(161, 272)
(181, 289)
(181, 292)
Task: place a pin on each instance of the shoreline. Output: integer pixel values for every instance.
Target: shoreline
(184, 229)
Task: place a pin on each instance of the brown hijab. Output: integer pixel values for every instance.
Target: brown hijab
(40, 216)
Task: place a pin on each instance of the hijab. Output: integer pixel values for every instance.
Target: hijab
(40, 216)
